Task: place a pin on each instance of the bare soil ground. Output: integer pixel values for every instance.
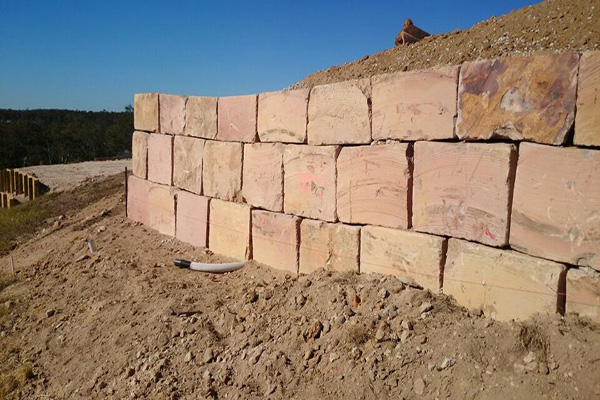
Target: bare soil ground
(552, 25)
(59, 177)
(123, 322)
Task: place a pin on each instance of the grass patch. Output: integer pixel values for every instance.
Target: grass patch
(23, 220)
(14, 378)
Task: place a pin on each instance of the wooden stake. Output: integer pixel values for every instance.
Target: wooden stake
(12, 265)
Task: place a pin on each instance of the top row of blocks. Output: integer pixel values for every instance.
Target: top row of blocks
(527, 98)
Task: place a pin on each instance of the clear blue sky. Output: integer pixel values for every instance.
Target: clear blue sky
(93, 55)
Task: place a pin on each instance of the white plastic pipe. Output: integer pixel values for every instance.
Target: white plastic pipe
(211, 268)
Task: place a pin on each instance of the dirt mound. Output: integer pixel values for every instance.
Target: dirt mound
(124, 322)
(553, 25)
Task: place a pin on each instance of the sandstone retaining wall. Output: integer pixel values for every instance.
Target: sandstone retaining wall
(482, 180)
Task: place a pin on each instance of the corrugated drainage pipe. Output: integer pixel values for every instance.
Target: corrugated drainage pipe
(212, 268)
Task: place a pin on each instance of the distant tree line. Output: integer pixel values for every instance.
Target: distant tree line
(33, 137)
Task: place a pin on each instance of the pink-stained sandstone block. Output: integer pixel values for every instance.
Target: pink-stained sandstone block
(522, 98)
(402, 253)
(415, 105)
(329, 246)
(463, 190)
(192, 219)
(556, 205)
(372, 185)
(201, 117)
(263, 175)
(139, 154)
(275, 239)
(222, 170)
(151, 204)
(237, 118)
(160, 158)
(138, 199)
(229, 232)
(587, 120)
(187, 165)
(504, 284)
(339, 113)
(310, 181)
(282, 116)
(583, 292)
(172, 113)
(145, 112)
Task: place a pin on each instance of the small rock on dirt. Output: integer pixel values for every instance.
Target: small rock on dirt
(419, 386)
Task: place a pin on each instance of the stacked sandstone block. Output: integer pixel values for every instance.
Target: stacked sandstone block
(482, 179)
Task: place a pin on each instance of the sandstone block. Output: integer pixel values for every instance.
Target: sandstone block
(138, 199)
(187, 164)
(139, 154)
(229, 232)
(275, 239)
(192, 219)
(587, 120)
(162, 209)
(145, 112)
(527, 98)
(160, 159)
(373, 185)
(151, 204)
(222, 170)
(172, 113)
(282, 116)
(263, 175)
(463, 190)
(583, 292)
(310, 181)
(329, 246)
(201, 117)
(415, 105)
(339, 113)
(505, 284)
(402, 253)
(556, 204)
(237, 118)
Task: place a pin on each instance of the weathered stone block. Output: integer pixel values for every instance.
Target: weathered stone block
(145, 112)
(526, 98)
(332, 247)
(222, 170)
(263, 175)
(339, 113)
(229, 232)
(151, 204)
(138, 199)
(282, 116)
(463, 190)
(139, 154)
(373, 185)
(160, 159)
(275, 239)
(310, 181)
(556, 205)
(201, 117)
(187, 165)
(415, 105)
(583, 292)
(237, 118)
(587, 119)
(402, 253)
(192, 218)
(172, 113)
(504, 284)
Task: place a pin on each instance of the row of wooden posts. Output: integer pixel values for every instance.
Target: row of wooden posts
(14, 183)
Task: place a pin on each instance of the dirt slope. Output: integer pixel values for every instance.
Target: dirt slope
(549, 26)
(124, 323)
